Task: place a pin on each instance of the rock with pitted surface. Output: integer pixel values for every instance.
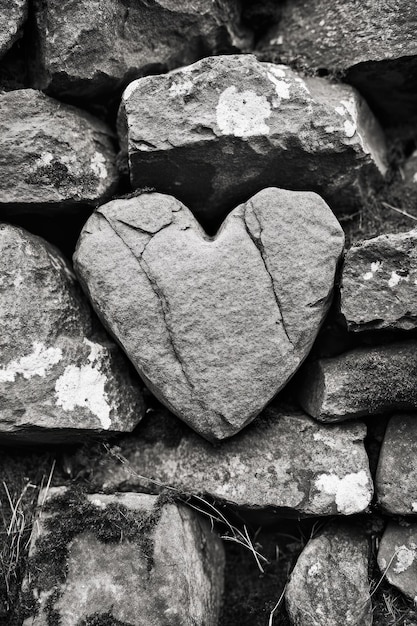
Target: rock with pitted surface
(379, 284)
(215, 326)
(329, 584)
(97, 46)
(396, 478)
(52, 155)
(121, 559)
(397, 557)
(12, 16)
(60, 377)
(216, 132)
(364, 381)
(284, 462)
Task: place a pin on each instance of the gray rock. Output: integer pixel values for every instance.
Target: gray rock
(329, 584)
(214, 133)
(93, 48)
(285, 461)
(396, 478)
(215, 327)
(397, 557)
(364, 381)
(127, 557)
(52, 155)
(379, 283)
(13, 13)
(59, 376)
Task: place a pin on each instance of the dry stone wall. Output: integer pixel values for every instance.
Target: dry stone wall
(208, 313)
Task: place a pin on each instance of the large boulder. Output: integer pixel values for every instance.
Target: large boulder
(397, 557)
(60, 376)
(216, 132)
(215, 327)
(12, 16)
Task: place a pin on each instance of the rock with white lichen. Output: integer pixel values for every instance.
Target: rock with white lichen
(96, 47)
(52, 155)
(284, 462)
(60, 377)
(379, 283)
(12, 16)
(214, 133)
(329, 583)
(215, 326)
(121, 559)
(397, 557)
(396, 478)
(363, 381)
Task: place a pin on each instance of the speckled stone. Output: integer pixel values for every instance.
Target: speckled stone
(397, 557)
(13, 13)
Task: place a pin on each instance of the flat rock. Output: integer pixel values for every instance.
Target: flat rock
(60, 377)
(397, 557)
(52, 155)
(124, 558)
(13, 13)
(284, 460)
(216, 132)
(329, 583)
(396, 478)
(363, 381)
(379, 284)
(215, 326)
(93, 48)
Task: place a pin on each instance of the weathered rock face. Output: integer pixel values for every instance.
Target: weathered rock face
(97, 46)
(59, 377)
(52, 155)
(214, 133)
(397, 557)
(329, 584)
(217, 326)
(285, 460)
(396, 479)
(364, 381)
(12, 16)
(125, 558)
(379, 283)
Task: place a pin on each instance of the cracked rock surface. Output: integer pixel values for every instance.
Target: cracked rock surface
(52, 155)
(215, 326)
(97, 46)
(60, 377)
(216, 132)
(397, 556)
(12, 16)
(284, 460)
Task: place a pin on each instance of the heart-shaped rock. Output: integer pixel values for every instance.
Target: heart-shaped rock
(215, 326)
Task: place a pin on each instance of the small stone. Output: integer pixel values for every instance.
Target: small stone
(215, 326)
(13, 13)
(329, 583)
(214, 133)
(364, 381)
(397, 557)
(52, 155)
(396, 478)
(93, 48)
(60, 376)
(379, 284)
(284, 461)
(122, 558)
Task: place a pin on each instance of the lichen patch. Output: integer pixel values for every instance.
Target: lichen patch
(375, 267)
(242, 114)
(395, 279)
(37, 363)
(98, 165)
(352, 493)
(405, 557)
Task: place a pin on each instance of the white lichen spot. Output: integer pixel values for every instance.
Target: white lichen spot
(98, 165)
(314, 569)
(37, 363)
(242, 114)
(414, 507)
(351, 493)
(45, 159)
(282, 88)
(181, 89)
(348, 108)
(375, 267)
(395, 279)
(404, 559)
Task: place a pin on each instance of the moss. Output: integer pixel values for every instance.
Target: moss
(102, 619)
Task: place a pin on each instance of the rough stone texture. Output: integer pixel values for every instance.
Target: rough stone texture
(216, 132)
(397, 557)
(12, 16)
(59, 376)
(52, 155)
(182, 584)
(216, 326)
(329, 584)
(379, 283)
(97, 46)
(396, 478)
(364, 381)
(374, 41)
(285, 461)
